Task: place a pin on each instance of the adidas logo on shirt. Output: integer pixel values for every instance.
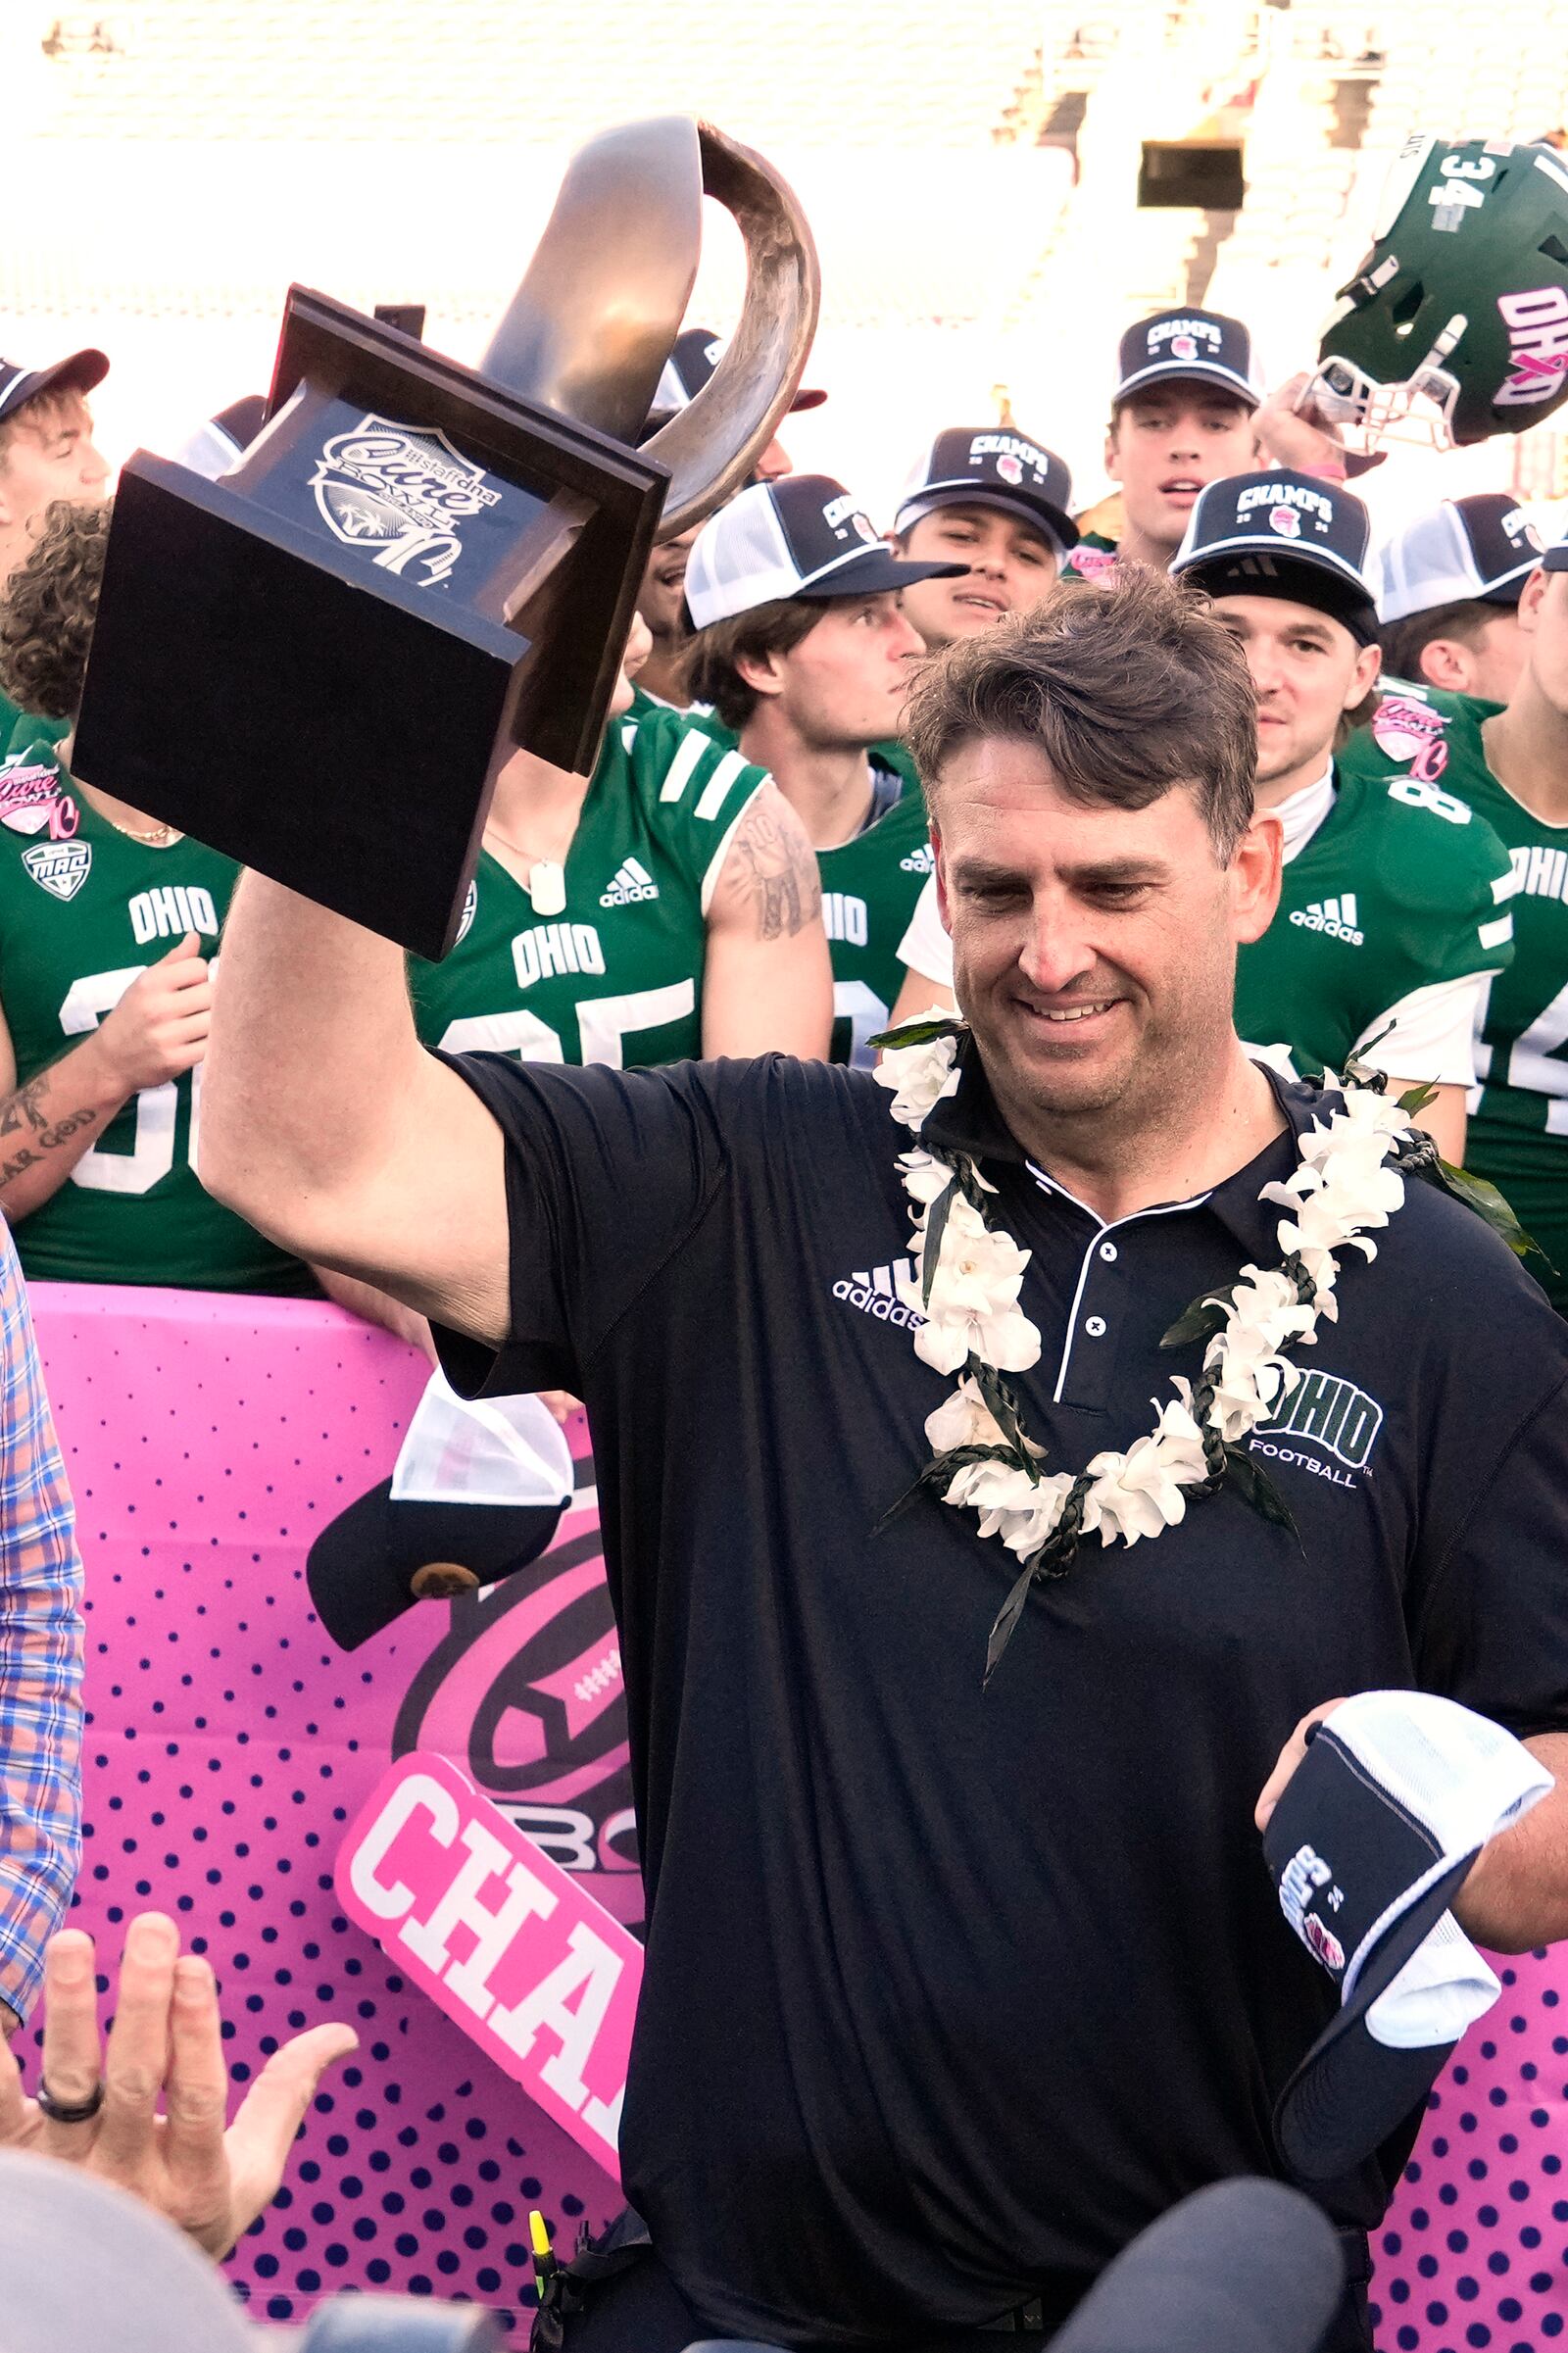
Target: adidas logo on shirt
(919, 862)
(1336, 916)
(876, 1293)
(632, 882)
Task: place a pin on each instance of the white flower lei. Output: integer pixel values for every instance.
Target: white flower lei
(967, 1278)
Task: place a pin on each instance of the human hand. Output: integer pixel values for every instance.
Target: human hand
(560, 1404)
(1289, 1756)
(167, 2039)
(1297, 438)
(159, 1028)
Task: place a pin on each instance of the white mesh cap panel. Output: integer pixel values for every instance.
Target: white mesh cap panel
(1463, 1777)
(739, 558)
(1429, 563)
(497, 1450)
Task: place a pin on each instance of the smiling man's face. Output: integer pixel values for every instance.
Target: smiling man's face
(1166, 443)
(1011, 567)
(1094, 948)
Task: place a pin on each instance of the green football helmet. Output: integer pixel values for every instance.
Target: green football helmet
(1455, 326)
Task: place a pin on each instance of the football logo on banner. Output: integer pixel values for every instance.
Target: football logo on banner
(400, 493)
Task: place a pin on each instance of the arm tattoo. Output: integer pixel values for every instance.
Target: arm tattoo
(777, 872)
(21, 1108)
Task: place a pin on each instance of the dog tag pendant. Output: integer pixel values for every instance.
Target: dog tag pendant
(547, 887)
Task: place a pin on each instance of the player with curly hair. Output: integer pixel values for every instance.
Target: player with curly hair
(109, 923)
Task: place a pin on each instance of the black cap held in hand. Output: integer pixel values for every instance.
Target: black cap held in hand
(1242, 2267)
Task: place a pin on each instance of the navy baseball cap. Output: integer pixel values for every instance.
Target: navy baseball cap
(221, 443)
(992, 465)
(1204, 347)
(476, 1494)
(1282, 534)
(1372, 1839)
(81, 373)
(1479, 550)
(801, 536)
(696, 353)
(1556, 559)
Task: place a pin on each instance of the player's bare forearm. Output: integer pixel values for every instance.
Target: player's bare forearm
(1443, 1117)
(47, 1124)
(920, 995)
(328, 1126)
(1516, 1896)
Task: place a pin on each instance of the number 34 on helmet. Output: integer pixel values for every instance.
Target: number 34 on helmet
(1455, 326)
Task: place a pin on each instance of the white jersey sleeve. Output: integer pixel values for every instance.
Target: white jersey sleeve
(925, 947)
(1433, 1033)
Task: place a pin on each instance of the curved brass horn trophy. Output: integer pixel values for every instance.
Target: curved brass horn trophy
(317, 662)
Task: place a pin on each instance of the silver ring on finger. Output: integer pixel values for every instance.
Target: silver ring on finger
(59, 2113)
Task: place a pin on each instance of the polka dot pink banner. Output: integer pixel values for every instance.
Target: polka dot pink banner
(229, 1744)
(1474, 2254)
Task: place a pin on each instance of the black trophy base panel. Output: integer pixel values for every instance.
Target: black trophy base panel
(357, 777)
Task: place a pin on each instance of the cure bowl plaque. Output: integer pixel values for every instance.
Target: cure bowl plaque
(317, 662)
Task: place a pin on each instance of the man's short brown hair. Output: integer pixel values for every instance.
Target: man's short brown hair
(1128, 689)
(1405, 642)
(709, 670)
(45, 411)
(51, 601)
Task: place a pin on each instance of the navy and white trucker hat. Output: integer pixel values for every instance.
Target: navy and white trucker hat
(476, 1494)
(81, 373)
(1204, 347)
(992, 465)
(801, 536)
(696, 353)
(1371, 1840)
(1481, 549)
(1283, 534)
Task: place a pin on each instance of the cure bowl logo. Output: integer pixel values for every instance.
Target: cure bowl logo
(401, 493)
(1411, 731)
(1327, 1946)
(1010, 468)
(1285, 521)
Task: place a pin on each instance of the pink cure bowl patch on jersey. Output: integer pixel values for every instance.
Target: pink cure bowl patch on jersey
(229, 1746)
(511, 1947)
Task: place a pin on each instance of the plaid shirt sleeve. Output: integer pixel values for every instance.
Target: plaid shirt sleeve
(40, 1657)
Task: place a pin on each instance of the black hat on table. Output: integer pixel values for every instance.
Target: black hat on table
(992, 465)
(1205, 347)
(1283, 534)
(804, 535)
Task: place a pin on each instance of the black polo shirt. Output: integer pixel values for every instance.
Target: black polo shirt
(948, 1993)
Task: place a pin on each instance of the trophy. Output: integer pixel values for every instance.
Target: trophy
(317, 662)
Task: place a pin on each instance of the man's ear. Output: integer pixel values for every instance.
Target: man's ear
(1255, 873)
(1529, 597)
(1364, 675)
(938, 869)
(1112, 453)
(1448, 663)
(759, 671)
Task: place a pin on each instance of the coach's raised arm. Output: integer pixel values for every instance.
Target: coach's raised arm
(323, 1115)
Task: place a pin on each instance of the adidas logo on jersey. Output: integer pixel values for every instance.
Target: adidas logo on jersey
(1336, 916)
(876, 1293)
(632, 882)
(919, 862)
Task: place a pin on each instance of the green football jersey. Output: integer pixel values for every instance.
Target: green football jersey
(21, 730)
(869, 887)
(1518, 1134)
(615, 977)
(1401, 888)
(83, 911)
